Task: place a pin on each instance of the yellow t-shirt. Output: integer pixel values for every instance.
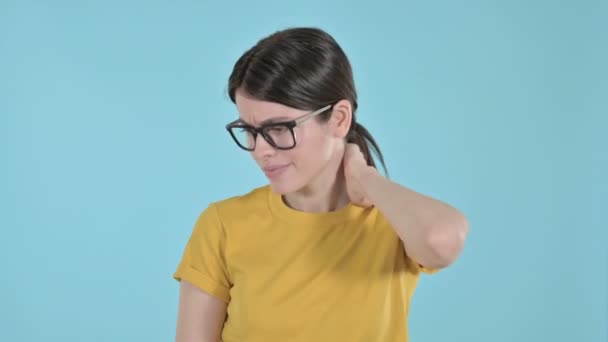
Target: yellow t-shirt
(295, 276)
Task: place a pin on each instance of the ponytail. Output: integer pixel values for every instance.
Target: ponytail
(360, 136)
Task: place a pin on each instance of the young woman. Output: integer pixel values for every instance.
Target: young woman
(330, 250)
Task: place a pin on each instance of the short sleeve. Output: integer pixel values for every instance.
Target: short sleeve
(415, 266)
(203, 261)
(426, 270)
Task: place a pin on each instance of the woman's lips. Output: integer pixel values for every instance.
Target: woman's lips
(274, 171)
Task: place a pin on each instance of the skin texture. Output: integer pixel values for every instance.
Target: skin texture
(200, 316)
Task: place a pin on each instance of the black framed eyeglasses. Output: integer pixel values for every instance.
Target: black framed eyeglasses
(279, 135)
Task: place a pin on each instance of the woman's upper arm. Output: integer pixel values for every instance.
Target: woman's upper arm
(200, 316)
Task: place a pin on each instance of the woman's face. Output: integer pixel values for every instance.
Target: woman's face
(318, 144)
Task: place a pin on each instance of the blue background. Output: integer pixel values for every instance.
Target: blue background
(112, 142)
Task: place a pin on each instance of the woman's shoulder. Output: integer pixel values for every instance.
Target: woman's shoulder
(252, 201)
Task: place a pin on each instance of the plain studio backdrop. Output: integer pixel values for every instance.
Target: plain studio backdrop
(112, 142)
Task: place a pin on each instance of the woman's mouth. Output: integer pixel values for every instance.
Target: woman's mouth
(274, 171)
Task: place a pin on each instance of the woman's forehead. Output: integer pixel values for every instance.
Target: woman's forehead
(257, 112)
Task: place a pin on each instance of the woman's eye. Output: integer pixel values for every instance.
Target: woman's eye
(277, 129)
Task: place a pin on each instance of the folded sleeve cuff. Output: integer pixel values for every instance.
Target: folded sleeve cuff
(428, 270)
(203, 282)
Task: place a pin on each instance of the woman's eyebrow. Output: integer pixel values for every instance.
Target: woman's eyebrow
(275, 120)
(266, 122)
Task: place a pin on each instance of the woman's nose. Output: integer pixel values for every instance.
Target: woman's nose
(262, 148)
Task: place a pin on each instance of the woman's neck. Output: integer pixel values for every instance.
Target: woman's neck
(326, 193)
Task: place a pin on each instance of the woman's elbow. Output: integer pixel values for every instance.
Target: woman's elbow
(446, 242)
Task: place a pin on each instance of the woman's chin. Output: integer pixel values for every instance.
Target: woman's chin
(283, 186)
(280, 187)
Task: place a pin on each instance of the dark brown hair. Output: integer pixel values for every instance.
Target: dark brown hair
(302, 68)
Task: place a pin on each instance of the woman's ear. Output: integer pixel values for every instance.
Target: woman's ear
(341, 118)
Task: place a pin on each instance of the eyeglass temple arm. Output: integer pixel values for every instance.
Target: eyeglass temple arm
(311, 114)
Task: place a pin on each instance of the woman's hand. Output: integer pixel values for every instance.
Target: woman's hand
(355, 166)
